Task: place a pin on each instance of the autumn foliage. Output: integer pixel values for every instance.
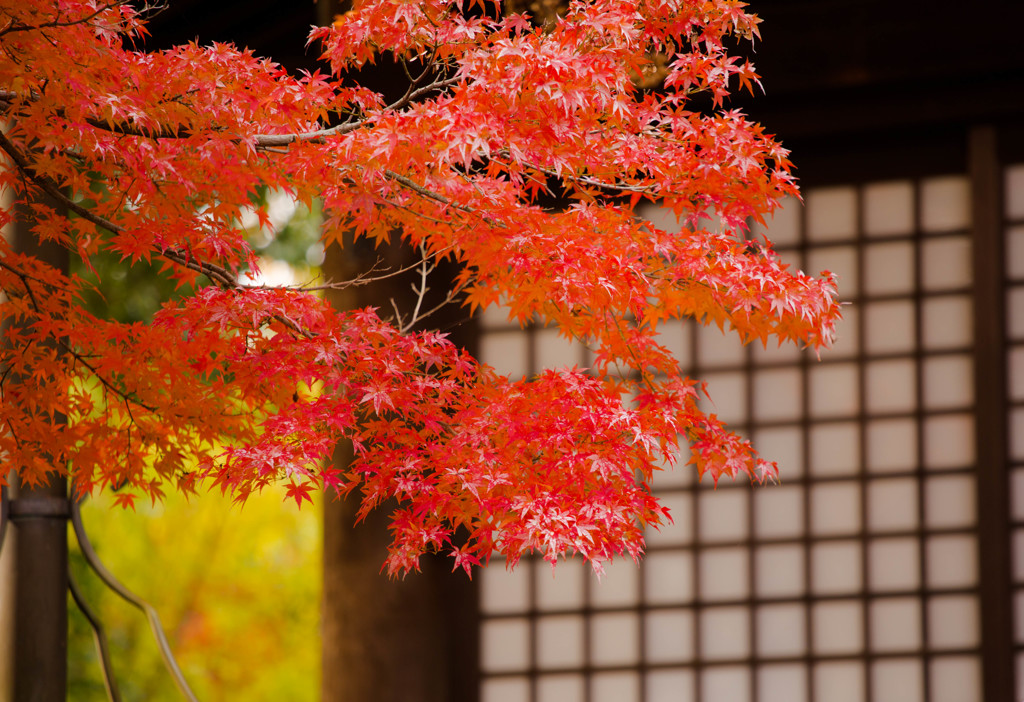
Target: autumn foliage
(155, 156)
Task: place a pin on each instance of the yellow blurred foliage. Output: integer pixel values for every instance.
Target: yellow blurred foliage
(237, 588)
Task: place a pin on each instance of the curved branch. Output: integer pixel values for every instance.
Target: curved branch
(99, 637)
(114, 584)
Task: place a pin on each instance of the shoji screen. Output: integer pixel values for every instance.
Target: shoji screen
(1014, 210)
(856, 578)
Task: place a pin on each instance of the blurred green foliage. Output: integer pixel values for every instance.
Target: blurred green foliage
(237, 588)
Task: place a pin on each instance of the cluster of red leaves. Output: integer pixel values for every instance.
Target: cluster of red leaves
(153, 155)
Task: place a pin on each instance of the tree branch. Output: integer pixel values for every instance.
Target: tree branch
(12, 27)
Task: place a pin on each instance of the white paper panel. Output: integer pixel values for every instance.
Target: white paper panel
(847, 340)
(780, 631)
(951, 561)
(507, 352)
(723, 574)
(560, 688)
(1018, 616)
(779, 571)
(894, 564)
(680, 531)
(504, 645)
(899, 680)
(831, 213)
(561, 588)
(726, 683)
(835, 508)
(778, 394)
(614, 639)
(892, 445)
(1017, 494)
(891, 386)
(616, 687)
(947, 322)
(661, 217)
(1015, 313)
(560, 641)
(841, 260)
(953, 622)
(773, 353)
(716, 348)
(1017, 434)
(677, 337)
(835, 567)
(618, 587)
(668, 577)
(955, 679)
(1015, 251)
(784, 445)
(778, 511)
(892, 504)
(668, 636)
(505, 690)
(791, 258)
(1016, 371)
(783, 225)
(946, 263)
(945, 203)
(502, 590)
(949, 441)
(671, 686)
(782, 683)
(722, 514)
(841, 681)
(679, 474)
(895, 624)
(1014, 184)
(948, 382)
(837, 628)
(835, 449)
(888, 208)
(496, 316)
(949, 501)
(1018, 562)
(888, 268)
(728, 393)
(889, 326)
(556, 351)
(833, 390)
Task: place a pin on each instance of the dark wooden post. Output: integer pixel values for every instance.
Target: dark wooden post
(38, 536)
(411, 640)
(994, 554)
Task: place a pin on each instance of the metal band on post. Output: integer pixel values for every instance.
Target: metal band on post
(35, 507)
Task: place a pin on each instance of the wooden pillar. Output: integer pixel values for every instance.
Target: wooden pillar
(410, 640)
(994, 555)
(38, 537)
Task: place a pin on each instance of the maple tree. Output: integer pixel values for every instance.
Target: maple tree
(158, 156)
